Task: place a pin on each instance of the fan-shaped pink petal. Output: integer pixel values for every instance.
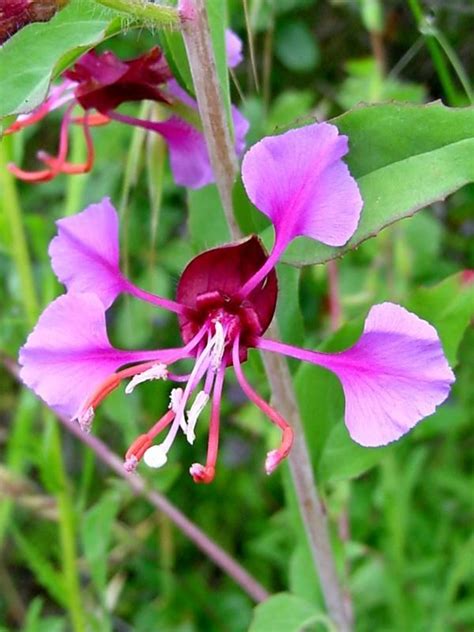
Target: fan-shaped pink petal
(394, 376)
(299, 181)
(68, 354)
(85, 252)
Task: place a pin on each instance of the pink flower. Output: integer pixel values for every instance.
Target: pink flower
(395, 374)
(102, 82)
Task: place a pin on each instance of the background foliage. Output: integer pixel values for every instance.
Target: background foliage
(400, 515)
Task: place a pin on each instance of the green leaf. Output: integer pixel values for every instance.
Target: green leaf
(175, 51)
(342, 458)
(288, 107)
(296, 46)
(207, 223)
(449, 306)
(50, 47)
(40, 566)
(217, 15)
(365, 83)
(404, 157)
(96, 529)
(286, 613)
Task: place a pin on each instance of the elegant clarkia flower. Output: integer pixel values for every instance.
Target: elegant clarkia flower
(99, 83)
(395, 374)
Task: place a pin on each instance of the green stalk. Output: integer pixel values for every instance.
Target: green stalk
(152, 15)
(67, 530)
(15, 457)
(14, 219)
(76, 184)
(12, 212)
(456, 64)
(436, 55)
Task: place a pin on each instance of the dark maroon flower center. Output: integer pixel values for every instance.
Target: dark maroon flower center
(105, 81)
(209, 285)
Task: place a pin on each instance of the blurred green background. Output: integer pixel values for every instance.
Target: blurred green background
(75, 543)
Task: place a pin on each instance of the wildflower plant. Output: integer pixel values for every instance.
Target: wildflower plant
(395, 375)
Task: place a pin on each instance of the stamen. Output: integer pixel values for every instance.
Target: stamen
(201, 473)
(200, 367)
(58, 165)
(156, 456)
(176, 396)
(142, 444)
(94, 120)
(193, 414)
(85, 420)
(175, 399)
(59, 95)
(218, 346)
(274, 457)
(55, 163)
(156, 372)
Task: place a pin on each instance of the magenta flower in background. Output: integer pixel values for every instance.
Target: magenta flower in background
(395, 374)
(103, 82)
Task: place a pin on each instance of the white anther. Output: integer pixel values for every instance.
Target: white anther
(156, 372)
(193, 414)
(176, 396)
(84, 419)
(175, 399)
(218, 346)
(155, 456)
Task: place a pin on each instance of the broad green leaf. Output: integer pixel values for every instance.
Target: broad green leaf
(296, 47)
(449, 306)
(342, 458)
(290, 319)
(287, 613)
(217, 15)
(366, 84)
(288, 107)
(96, 529)
(303, 580)
(51, 47)
(207, 224)
(175, 50)
(404, 157)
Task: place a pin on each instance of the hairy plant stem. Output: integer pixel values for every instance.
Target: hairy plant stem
(197, 38)
(153, 15)
(211, 108)
(222, 559)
